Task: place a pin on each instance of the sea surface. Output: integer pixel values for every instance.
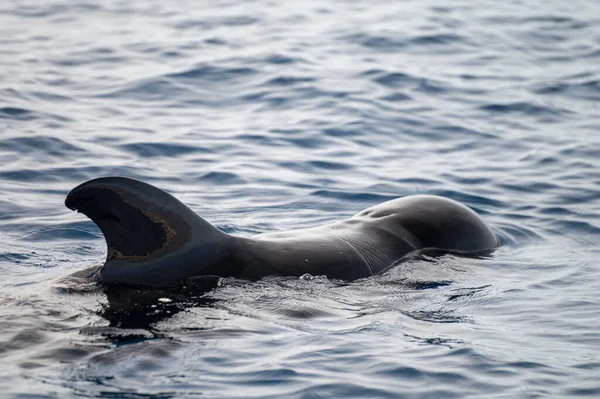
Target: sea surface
(271, 115)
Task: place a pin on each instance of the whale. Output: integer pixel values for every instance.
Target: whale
(155, 240)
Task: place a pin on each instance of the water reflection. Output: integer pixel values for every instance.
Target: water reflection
(141, 307)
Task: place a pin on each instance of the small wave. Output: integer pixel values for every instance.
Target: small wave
(42, 146)
(525, 108)
(222, 178)
(473, 200)
(288, 81)
(150, 150)
(212, 73)
(16, 113)
(588, 90)
(87, 231)
(353, 196)
(447, 42)
(281, 59)
(329, 165)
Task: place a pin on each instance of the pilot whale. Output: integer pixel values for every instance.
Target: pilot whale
(155, 240)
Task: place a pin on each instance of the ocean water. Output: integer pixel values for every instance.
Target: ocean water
(270, 115)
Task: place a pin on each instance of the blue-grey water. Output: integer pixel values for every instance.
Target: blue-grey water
(270, 115)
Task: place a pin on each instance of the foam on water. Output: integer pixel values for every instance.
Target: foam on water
(265, 116)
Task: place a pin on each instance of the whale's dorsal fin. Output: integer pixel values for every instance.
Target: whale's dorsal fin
(150, 234)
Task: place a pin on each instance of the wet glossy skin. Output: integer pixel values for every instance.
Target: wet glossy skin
(153, 239)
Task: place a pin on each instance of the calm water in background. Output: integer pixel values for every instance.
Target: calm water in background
(265, 116)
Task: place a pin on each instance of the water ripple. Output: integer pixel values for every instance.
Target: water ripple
(269, 116)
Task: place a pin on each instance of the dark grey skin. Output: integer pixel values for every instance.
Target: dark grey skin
(155, 240)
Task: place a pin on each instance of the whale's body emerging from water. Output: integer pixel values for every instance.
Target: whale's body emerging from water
(155, 240)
